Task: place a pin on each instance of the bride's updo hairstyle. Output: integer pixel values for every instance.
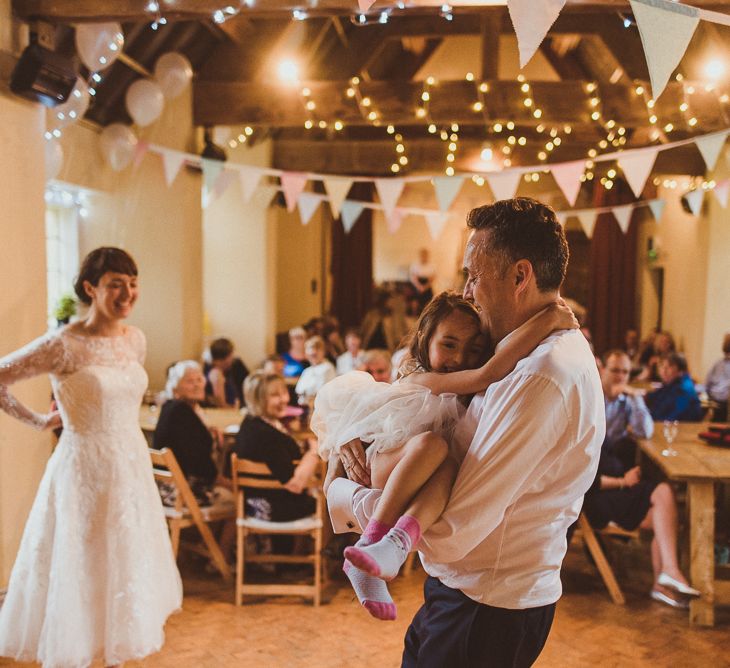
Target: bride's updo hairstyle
(439, 308)
(97, 263)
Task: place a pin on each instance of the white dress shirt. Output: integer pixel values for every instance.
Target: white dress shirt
(530, 448)
(313, 377)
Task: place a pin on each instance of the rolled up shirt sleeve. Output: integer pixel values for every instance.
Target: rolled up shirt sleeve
(642, 424)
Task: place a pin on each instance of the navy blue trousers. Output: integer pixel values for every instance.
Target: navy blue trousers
(453, 631)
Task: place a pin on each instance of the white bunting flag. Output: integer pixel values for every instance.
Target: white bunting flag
(694, 199)
(666, 29)
(636, 167)
(395, 220)
(623, 216)
(249, 178)
(265, 194)
(389, 190)
(292, 183)
(364, 5)
(567, 176)
(308, 203)
(349, 213)
(504, 184)
(710, 147)
(721, 190)
(657, 208)
(337, 189)
(587, 220)
(562, 218)
(447, 188)
(171, 163)
(532, 20)
(211, 171)
(436, 220)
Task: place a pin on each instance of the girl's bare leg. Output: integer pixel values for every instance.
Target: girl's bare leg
(432, 498)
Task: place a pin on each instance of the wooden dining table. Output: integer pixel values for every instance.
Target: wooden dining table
(701, 467)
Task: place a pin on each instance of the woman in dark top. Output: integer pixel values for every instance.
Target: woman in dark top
(181, 428)
(263, 438)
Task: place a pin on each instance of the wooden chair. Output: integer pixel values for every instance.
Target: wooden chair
(187, 512)
(588, 533)
(246, 473)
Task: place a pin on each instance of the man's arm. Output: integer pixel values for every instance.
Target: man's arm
(521, 435)
(640, 421)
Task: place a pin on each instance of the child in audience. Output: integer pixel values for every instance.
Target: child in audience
(408, 426)
(319, 371)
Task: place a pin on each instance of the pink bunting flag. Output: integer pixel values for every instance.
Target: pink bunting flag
(211, 171)
(395, 220)
(292, 183)
(249, 178)
(436, 221)
(721, 190)
(567, 176)
(637, 166)
(389, 190)
(308, 204)
(171, 163)
(623, 216)
(139, 153)
(532, 20)
(365, 5)
(504, 184)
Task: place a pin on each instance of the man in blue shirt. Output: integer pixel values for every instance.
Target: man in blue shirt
(718, 382)
(677, 398)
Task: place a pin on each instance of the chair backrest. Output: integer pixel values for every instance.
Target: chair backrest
(166, 469)
(247, 473)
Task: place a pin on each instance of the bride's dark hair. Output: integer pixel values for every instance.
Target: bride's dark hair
(440, 307)
(97, 263)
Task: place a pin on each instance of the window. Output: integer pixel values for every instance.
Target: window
(62, 246)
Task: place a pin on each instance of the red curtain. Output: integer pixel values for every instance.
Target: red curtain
(613, 255)
(352, 262)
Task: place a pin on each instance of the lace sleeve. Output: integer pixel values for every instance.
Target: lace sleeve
(44, 355)
(139, 343)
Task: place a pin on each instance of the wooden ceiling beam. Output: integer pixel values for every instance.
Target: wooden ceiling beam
(134, 10)
(563, 102)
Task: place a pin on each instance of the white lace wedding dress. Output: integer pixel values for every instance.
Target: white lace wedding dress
(95, 577)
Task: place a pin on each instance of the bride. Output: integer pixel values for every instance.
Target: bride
(95, 577)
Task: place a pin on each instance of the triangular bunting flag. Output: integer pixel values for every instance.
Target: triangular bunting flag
(666, 29)
(337, 190)
(349, 213)
(623, 216)
(364, 5)
(657, 208)
(562, 217)
(395, 220)
(504, 184)
(567, 176)
(447, 188)
(532, 20)
(436, 220)
(587, 220)
(139, 153)
(694, 199)
(721, 190)
(308, 203)
(389, 190)
(265, 194)
(211, 171)
(636, 167)
(171, 163)
(224, 180)
(292, 183)
(249, 178)
(710, 147)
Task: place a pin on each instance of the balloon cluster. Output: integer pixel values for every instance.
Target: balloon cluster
(98, 46)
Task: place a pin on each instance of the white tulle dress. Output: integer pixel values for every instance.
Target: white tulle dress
(95, 577)
(386, 415)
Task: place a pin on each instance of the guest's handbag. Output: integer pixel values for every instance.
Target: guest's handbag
(717, 435)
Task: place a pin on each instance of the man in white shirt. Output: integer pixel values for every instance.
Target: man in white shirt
(530, 446)
(352, 358)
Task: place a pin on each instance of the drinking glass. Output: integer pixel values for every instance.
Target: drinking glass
(671, 427)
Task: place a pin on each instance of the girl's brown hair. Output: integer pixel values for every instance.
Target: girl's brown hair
(439, 308)
(97, 263)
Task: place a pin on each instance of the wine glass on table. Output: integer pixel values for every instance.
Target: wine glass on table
(671, 428)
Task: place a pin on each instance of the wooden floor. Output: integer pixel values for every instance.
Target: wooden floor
(588, 630)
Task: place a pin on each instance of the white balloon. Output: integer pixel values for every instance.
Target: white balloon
(173, 72)
(144, 101)
(99, 44)
(118, 145)
(73, 109)
(54, 159)
(221, 134)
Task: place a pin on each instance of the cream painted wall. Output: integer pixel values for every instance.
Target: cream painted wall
(239, 269)
(23, 451)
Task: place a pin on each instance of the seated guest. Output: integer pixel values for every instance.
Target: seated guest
(661, 345)
(718, 382)
(319, 371)
(295, 359)
(181, 428)
(352, 358)
(263, 438)
(274, 364)
(384, 325)
(677, 398)
(631, 344)
(332, 338)
(220, 387)
(377, 363)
